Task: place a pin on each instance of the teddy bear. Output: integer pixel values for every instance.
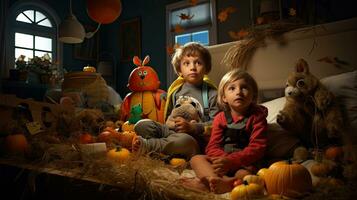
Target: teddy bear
(186, 107)
(311, 111)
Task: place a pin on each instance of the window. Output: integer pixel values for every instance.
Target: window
(34, 40)
(189, 23)
(31, 31)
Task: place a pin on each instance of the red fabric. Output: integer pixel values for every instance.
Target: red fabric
(256, 125)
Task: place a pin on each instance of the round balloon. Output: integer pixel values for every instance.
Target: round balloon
(104, 11)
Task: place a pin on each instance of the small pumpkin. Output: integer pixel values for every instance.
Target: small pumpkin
(321, 168)
(254, 179)
(177, 162)
(334, 153)
(126, 138)
(16, 144)
(288, 179)
(127, 126)
(86, 138)
(300, 154)
(262, 172)
(109, 135)
(118, 154)
(247, 191)
(89, 69)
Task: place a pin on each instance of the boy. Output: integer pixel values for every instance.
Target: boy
(192, 63)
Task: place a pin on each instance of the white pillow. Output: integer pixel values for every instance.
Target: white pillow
(274, 106)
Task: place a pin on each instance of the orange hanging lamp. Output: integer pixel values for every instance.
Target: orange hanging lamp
(104, 11)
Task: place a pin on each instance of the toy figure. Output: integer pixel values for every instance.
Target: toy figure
(144, 84)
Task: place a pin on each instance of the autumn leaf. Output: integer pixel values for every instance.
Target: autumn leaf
(193, 2)
(292, 12)
(184, 16)
(333, 60)
(238, 35)
(171, 49)
(223, 15)
(178, 29)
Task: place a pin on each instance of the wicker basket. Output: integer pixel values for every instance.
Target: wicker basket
(92, 85)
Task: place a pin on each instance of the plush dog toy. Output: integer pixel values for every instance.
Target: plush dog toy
(186, 107)
(310, 110)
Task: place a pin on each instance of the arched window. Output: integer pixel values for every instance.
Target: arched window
(32, 31)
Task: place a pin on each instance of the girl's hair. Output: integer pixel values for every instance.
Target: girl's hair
(191, 49)
(232, 76)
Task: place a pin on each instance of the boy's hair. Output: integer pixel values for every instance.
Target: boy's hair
(232, 76)
(191, 49)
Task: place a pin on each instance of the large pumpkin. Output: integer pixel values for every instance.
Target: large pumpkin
(104, 11)
(288, 179)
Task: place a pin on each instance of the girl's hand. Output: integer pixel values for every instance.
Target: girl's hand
(221, 165)
(183, 126)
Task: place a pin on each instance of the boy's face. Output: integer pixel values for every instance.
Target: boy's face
(238, 95)
(192, 69)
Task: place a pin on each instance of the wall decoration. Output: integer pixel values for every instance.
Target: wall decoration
(130, 39)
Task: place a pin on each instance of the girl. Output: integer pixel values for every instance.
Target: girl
(238, 138)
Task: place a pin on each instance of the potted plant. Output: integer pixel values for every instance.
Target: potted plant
(20, 72)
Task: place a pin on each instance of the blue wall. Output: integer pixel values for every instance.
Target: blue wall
(153, 29)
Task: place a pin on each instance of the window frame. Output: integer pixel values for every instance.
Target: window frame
(170, 37)
(13, 26)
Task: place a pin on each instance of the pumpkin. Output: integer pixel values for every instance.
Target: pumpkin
(144, 84)
(126, 138)
(86, 138)
(262, 172)
(247, 191)
(177, 162)
(321, 168)
(118, 154)
(104, 11)
(288, 179)
(254, 179)
(127, 126)
(16, 144)
(334, 153)
(89, 69)
(300, 154)
(108, 135)
(110, 124)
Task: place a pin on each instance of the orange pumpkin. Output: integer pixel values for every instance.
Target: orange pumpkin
(108, 135)
(177, 162)
(254, 179)
(16, 144)
(262, 172)
(118, 154)
(247, 191)
(334, 153)
(127, 126)
(288, 179)
(104, 11)
(86, 138)
(89, 69)
(126, 138)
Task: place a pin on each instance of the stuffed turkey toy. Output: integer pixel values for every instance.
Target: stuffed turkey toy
(144, 84)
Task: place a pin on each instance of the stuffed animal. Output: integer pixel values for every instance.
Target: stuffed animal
(144, 84)
(186, 107)
(310, 110)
